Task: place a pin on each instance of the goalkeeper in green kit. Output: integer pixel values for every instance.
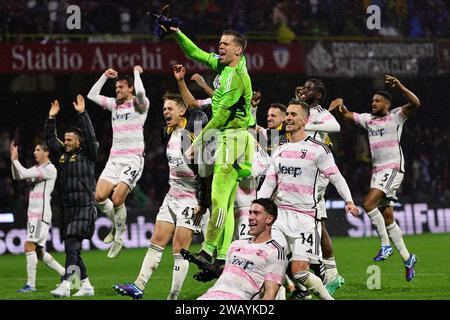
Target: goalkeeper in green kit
(231, 117)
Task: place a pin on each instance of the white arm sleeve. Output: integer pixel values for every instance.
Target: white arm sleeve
(22, 173)
(323, 122)
(139, 88)
(341, 186)
(14, 172)
(270, 183)
(94, 93)
(329, 125)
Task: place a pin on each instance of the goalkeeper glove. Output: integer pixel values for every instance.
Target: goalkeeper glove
(162, 24)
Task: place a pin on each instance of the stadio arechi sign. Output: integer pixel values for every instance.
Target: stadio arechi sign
(32, 57)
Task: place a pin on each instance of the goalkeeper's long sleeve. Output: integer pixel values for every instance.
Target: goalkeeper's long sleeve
(192, 51)
(216, 122)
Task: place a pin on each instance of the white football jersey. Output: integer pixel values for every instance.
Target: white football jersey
(384, 138)
(181, 177)
(127, 126)
(42, 179)
(292, 178)
(248, 265)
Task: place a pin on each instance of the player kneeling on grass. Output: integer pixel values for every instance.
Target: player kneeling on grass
(254, 268)
(183, 211)
(42, 180)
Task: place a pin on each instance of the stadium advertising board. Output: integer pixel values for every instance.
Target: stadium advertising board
(413, 218)
(370, 59)
(154, 58)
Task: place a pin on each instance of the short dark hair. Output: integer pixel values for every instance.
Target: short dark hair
(77, 132)
(385, 95)
(279, 106)
(175, 97)
(302, 104)
(320, 87)
(268, 205)
(239, 38)
(43, 146)
(127, 78)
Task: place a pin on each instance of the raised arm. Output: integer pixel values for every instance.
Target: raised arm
(19, 172)
(94, 94)
(50, 134)
(179, 72)
(141, 99)
(413, 100)
(90, 143)
(193, 52)
(202, 84)
(339, 105)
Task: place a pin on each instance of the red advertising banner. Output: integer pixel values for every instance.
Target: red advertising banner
(155, 58)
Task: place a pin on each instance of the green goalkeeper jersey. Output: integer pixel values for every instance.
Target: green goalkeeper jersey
(231, 101)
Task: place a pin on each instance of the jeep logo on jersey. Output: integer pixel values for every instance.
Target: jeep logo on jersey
(281, 57)
(243, 263)
(121, 116)
(376, 132)
(295, 171)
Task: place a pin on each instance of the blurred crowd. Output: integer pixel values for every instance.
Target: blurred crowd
(286, 18)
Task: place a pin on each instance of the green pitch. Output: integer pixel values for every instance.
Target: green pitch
(353, 256)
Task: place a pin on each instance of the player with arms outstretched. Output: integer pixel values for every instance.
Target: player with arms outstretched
(231, 116)
(126, 158)
(384, 127)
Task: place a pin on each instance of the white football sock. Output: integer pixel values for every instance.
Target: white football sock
(32, 261)
(120, 218)
(378, 221)
(331, 271)
(180, 270)
(53, 264)
(395, 233)
(107, 208)
(150, 264)
(313, 283)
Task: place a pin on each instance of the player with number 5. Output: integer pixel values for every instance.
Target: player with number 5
(384, 127)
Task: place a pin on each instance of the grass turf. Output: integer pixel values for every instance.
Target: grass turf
(353, 256)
